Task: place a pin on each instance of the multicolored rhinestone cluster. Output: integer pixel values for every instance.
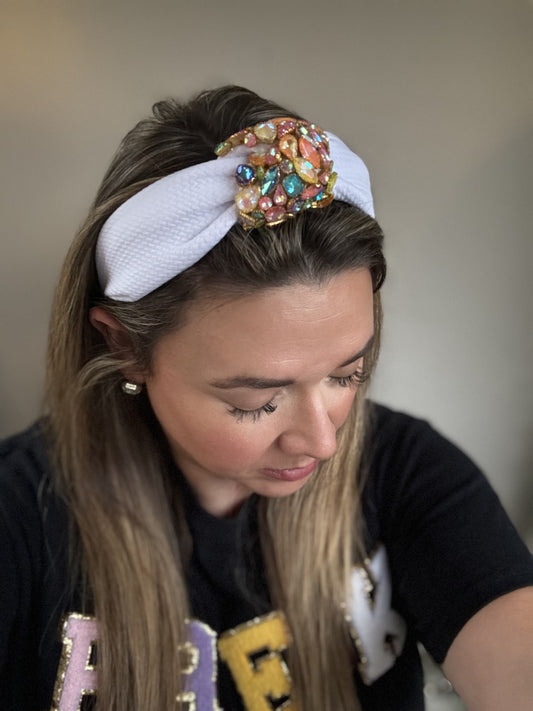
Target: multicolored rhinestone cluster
(289, 169)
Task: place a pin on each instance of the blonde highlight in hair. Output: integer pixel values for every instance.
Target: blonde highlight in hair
(113, 467)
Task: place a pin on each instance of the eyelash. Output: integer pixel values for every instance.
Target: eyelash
(254, 415)
(344, 382)
(353, 379)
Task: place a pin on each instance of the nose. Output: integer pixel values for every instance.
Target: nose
(310, 432)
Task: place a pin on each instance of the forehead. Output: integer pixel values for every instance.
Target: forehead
(275, 329)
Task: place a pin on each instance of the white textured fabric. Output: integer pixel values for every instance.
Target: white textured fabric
(171, 224)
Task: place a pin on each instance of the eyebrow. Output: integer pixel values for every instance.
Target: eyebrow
(244, 381)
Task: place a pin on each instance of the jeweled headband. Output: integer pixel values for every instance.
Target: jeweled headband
(264, 174)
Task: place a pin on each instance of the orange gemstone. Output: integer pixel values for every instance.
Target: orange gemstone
(309, 152)
(288, 145)
(258, 154)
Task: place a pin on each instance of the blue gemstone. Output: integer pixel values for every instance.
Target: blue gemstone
(244, 174)
(293, 185)
(270, 180)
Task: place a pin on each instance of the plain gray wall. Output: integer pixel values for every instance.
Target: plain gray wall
(435, 96)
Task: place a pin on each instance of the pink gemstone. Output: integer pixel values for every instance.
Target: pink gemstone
(272, 156)
(250, 140)
(315, 136)
(309, 152)
(265, 203)
(326, 158)
(275, 214)
(286, 166)
(280, 196)
(324, 177)
(286, 126)
(311, 192)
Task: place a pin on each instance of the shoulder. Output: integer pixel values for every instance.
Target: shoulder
(24, 466)
(416, 477)
(451, 546)
(34, 584)
(28, 504)
(407, 459)
(25, 450)
(33, 518)
(399, 437)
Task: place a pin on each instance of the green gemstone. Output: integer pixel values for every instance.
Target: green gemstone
(270, 180)
(223, 148)
(293, 184)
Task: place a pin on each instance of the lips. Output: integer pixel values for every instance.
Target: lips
(295, 474)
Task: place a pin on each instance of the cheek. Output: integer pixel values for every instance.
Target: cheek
(342, 406)
(225, 445)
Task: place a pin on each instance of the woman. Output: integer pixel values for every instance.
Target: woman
(211, 515)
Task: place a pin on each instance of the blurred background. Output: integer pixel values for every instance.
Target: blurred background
(436, 97)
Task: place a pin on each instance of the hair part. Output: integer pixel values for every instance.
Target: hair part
(113, 465)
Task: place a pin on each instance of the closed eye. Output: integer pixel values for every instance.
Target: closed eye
(345, 381)
(253, 415)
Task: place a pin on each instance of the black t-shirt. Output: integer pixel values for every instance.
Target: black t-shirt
(440, 548)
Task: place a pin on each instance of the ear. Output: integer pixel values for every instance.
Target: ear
(116, 337)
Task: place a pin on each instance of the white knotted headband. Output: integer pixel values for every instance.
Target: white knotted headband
(171, 224)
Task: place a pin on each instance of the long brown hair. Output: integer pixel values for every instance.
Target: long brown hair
(112, 463)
